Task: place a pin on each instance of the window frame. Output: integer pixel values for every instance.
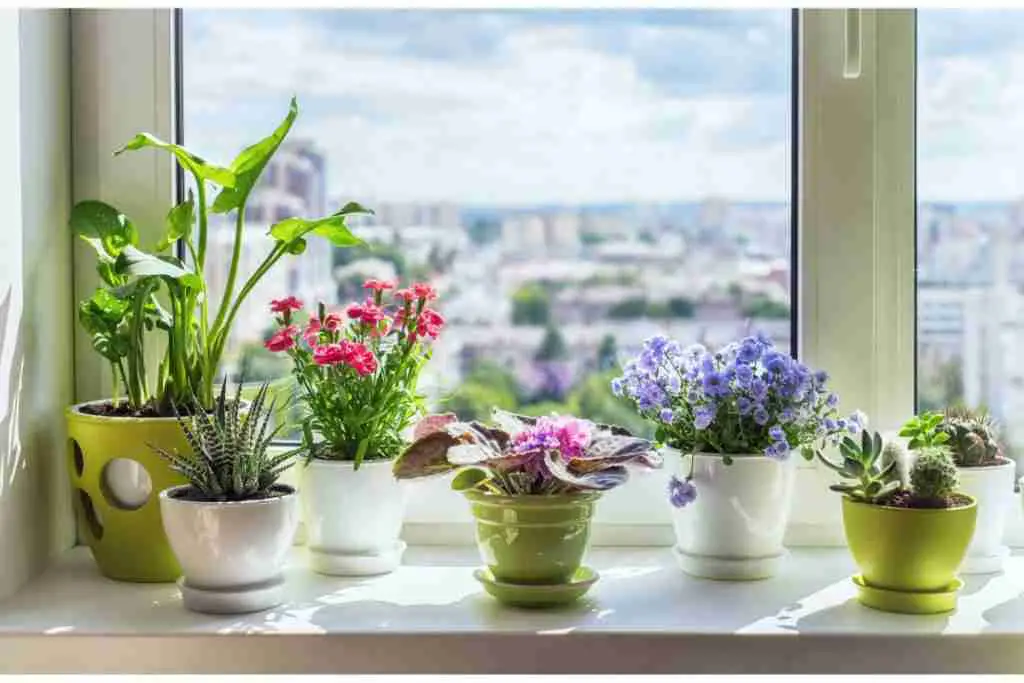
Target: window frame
(854, 215)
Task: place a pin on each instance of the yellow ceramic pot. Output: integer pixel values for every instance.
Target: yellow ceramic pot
(116, 480)
(908, 549)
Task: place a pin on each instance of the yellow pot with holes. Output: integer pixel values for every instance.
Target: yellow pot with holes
(116, 480)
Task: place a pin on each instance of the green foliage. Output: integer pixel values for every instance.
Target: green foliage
(607, 353)
(872, 478)
(629, 309)
(552, 346)
(923, 431)
(531, 305)
(487, 385)
(256, 364)
(639, 307)
(484, 231)
(229, 458)
(933, 475)
(972, 436)
(763, 307)
(127, 306)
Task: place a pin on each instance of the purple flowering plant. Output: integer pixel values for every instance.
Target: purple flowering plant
(746, 398)
(522, 455)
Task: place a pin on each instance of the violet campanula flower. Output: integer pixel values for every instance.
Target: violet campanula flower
(681, 492)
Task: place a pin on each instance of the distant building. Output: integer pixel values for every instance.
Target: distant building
(293, 184)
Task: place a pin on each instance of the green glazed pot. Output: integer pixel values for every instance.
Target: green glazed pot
(906, 549)
(117, 518)
(532, 539)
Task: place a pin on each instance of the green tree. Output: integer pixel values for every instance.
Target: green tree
(681, 307)
(256, 364)
(552, 347)
(763, 307)
(607, 353)
(629, 309)
(531, 305)
(484, 231)
(486, 387)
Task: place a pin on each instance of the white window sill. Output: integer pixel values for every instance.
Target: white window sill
(644, 615)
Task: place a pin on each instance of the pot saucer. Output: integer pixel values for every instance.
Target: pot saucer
(908, 602)
(254, 598)
(531, 595)
(728, 568)
(323, 561)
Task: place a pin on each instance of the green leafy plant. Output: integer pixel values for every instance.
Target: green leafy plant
(522, 455)
(933, 476)
(872, 470)
(229, 458)
(972, 437)
(143, 291)
(923, 431)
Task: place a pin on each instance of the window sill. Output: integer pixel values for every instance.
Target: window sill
(644, 615)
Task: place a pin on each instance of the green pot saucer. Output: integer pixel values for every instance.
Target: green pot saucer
(549, 595)
(908, 602)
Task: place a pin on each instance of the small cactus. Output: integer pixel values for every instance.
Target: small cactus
(972, 437)
(934, 475)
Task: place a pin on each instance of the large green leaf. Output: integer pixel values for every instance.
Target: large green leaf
(331, 227)
(104, 227)
(189, 161)
(133, 261)
(249, 164)
(178, 223)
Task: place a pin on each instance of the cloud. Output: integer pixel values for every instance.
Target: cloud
(970, 105)
(505, 107)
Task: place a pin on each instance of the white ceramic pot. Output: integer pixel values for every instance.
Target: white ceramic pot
(352, 517)
(992, 487)
(231, 553)
(734, 528)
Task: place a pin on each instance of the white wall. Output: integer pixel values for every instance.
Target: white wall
(36, 310)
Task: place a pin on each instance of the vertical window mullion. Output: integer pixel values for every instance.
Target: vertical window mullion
(857, 208)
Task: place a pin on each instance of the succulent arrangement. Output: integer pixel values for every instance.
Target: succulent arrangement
(972, 437)
(872, 473)
(230, 458)
(522, 455)
(872, 470)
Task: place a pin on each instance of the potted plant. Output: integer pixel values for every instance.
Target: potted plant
(153, 306)
(232, 524)
(735, 415)
(357, 377)
(532, 484)
(985, 474)
(907, 537)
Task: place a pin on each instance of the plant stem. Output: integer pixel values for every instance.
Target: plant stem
(220, 330)
(229, 287)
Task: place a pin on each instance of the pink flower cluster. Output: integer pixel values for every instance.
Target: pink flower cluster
(352, 354)
(570, 436)
(331, 343)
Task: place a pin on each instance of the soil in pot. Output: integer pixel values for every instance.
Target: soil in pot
(124, 409)
(905, 500)
(192, 495)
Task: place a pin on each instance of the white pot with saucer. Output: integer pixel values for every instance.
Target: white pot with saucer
(232, 553)
(733, 530)
(352, 518)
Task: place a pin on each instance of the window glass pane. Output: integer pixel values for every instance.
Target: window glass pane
(970, 141)
(572, 181)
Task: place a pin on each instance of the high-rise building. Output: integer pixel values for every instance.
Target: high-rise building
(293, 184)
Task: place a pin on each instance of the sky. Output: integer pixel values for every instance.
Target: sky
(548, 106)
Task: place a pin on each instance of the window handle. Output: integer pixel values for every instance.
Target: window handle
(851, 56)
